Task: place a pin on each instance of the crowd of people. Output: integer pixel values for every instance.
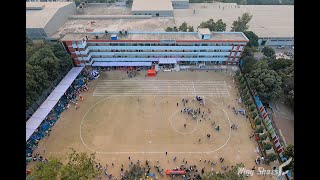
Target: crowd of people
(71, 96)
(191, 170)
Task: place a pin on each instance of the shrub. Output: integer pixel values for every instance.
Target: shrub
(242, 86)
(263, 137)
(254, 113)
(245, 91)
(252, 108)
(258, 121)
(267, 146)
(272, 157)
(260, 129)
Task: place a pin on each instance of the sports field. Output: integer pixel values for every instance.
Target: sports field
(139, 117)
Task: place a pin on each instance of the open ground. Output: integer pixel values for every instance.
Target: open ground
(119, 117)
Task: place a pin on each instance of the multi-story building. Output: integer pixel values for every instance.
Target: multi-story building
(129, 48)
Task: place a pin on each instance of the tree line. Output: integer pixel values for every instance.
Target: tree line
(44, 62)
(239, 25)
(271, 78)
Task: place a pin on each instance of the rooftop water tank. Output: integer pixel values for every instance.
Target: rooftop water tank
(114, 37)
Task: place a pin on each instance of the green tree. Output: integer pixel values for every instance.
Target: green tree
(135, 172)
(190, 29)
(214, 26)
(183, 27)
(278, 64)
(253, 38)
(252, 107)
(263, 137)
(48, 171)
(248, 62)
(46, 60)
(254, 113)
(169, 29)
(79, 166)
(289, 152)
(265, 81)
(267, 146)
(28, 41)
(260, 129)
(241, 24)
(220, 26)
(232, 174)
(36, 82)
(268, 51)
(247, 52)
(65, 60)
(272, 157)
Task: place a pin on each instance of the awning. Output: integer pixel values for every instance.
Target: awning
(36, 119)
(110, 64)
(167, 60)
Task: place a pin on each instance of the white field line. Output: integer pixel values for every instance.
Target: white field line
(156, 87)
(154, 152)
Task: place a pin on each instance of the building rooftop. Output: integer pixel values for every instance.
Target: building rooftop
(152, 5)
(228, 36)
(204, 31)
(37, 17)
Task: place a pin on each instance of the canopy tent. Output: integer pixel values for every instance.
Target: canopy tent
(36, 119)
(167, 60)
(151, 72)
(111, 64)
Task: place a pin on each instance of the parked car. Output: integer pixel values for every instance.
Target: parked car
(280, 47)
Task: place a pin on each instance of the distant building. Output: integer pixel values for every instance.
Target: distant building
(161, 8)
(43, 19)
(137, 49)
(180, 4)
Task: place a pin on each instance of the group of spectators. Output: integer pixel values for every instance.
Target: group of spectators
(73, 93)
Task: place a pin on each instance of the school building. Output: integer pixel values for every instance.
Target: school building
(145, 49)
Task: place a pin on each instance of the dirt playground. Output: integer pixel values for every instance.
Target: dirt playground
(146, 126)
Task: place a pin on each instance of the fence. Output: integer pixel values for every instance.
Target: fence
(45, 94)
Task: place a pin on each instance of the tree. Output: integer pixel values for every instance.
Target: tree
(31, 48)
(267, 146)
(268, 51)
(135, 172)
(214, 26)
(263, 137)
(253, 38)
(36, 82)
(79, 166)
(247, 52)
(265, 81)
(28, 41)
(241, 24)
(220, 26)
(248, 62)
(190, 29)
(169, 29)
(252, 107)
(46, 60)
(260, 129)
(272, 157)
(48, 171)
(231, 174)
(289, 152)
(183, 27)
(278, 64)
